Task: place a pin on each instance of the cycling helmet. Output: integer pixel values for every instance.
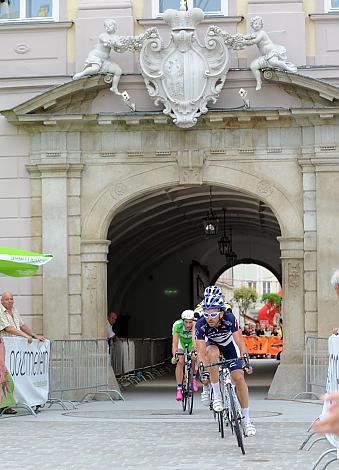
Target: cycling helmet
(212, 290)
(187, 315)
(213, 298)
(199, 310)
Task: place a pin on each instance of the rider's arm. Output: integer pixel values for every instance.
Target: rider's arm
(239, 341)
(201, 350)
(175, 342)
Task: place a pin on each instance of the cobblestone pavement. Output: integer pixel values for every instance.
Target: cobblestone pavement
(149, 431)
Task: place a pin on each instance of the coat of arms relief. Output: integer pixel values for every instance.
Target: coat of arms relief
(185, 75)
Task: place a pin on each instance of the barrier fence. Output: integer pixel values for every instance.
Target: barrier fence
(316, 361)
(129, 355)
(79, 365)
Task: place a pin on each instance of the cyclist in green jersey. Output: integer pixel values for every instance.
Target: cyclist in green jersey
(182, 335)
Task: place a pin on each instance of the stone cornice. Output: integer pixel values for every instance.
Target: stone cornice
(55, 170)
(324, 16)
(104, 4)
(216, 118)
(208, 20)
(23, 26)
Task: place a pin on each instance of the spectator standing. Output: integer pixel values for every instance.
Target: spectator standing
(11, 323)
(111, 335)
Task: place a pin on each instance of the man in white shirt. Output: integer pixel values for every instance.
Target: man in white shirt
(111, 320)
(11, 323)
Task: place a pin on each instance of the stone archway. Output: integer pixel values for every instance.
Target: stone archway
(112, 200)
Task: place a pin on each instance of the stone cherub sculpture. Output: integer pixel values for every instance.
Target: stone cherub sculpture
(98, 60)
(273, 56)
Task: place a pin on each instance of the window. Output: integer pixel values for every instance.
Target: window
(331, 5)
(211, 7)
(29, 10)
(266, 287)
(252, 285)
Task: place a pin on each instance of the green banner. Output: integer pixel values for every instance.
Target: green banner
(20, 263)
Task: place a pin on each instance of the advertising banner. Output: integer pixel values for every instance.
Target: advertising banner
(28, 366)
(257, 345)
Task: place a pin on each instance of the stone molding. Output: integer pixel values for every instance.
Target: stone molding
(56, 170)
(94, 251)
(291, 247)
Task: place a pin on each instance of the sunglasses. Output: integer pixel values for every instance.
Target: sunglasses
(211, 315)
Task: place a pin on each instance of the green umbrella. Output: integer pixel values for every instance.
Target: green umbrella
(20, 263)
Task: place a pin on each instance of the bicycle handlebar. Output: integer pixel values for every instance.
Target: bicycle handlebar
(224, 362)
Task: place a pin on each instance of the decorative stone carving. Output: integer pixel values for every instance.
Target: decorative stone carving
(119, 190)
(294, 273)
(22, 48)
(273, 56)
(186, 75)
(98, 60)
(264, 188)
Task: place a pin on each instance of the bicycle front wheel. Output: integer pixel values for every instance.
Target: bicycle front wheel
(184, 393)
(190, 392)
(236, 418)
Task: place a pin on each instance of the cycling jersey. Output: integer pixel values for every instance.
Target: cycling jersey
(222, 335)
(185, 336)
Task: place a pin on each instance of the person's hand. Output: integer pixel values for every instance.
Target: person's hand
(329, 424)
(29, 339)
(40, 338)
(174, 360)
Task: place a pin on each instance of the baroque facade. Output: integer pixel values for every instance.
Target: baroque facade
(117, 195)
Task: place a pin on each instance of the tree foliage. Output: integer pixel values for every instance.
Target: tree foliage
(274, 299)
(246, 298)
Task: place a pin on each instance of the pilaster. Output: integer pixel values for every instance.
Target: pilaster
(55, 230)
(310, 246)
(94, 288)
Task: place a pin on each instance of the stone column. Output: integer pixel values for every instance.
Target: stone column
(94, 288)
(310, 246)
(290, 376)
(55, 241)
(327, 197)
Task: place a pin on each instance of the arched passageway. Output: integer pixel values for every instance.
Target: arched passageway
(160, 259)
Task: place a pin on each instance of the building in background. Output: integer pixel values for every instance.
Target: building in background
(118, 196)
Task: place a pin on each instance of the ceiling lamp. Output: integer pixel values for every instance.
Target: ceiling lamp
(211, 220)
(225, 244)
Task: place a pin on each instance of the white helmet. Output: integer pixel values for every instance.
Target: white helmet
(187, 315)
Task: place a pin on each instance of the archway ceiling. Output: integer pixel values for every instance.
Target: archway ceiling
(168, 220)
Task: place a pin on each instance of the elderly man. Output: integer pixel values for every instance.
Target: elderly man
(11, 324)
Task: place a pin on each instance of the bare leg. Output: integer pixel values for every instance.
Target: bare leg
(179, 370)
(115, 82)
(241, 387)
(257, 75)
(90, 70)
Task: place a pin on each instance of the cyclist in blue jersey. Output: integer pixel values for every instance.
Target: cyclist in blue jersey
(217, 333)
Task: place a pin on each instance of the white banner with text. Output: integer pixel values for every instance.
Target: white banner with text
(28, 365)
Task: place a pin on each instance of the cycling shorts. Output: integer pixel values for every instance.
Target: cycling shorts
(228, 352)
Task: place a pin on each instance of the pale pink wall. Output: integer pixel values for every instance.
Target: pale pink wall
(15, 208)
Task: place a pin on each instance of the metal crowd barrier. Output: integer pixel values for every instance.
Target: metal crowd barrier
(316, 361)
(79, 366)
(136, 360)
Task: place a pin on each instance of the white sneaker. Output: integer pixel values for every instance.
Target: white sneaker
(249, 429)
(218, 404)
(205, 398)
